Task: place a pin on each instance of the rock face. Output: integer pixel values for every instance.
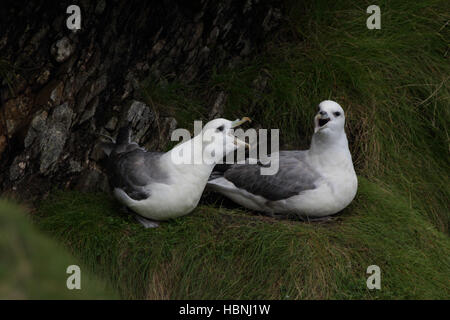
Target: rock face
(70, 88)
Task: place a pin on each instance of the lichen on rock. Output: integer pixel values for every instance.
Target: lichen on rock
(62, 49)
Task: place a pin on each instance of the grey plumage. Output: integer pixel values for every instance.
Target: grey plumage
(132, 168)
(157, 185)
(293, 177)
(317, 182)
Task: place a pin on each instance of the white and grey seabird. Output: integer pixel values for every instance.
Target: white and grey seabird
(157, 186)
(317, 182)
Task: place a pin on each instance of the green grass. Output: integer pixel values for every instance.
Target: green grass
(174, 99)
(218, 253)
(32, 266)
(393, 85)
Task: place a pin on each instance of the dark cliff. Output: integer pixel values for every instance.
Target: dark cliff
(61, 90)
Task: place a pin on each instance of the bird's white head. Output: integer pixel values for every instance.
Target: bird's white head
(330, 118)
(218, 139)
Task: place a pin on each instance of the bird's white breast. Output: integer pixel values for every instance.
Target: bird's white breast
(176, 198)
(334, 193)
(167, 201)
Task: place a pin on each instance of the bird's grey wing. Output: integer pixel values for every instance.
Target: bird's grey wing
(293, 177)
(133, 171)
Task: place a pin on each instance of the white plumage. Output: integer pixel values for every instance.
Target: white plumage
(317, 182)
(160, 186)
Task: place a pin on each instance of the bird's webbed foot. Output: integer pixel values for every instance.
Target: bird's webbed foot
(323, 219)
(147, 223)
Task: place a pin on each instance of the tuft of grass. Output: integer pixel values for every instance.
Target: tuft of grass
(218, 253)
(174, 99)
(32, 266)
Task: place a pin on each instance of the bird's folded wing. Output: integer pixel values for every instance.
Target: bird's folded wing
(135, 171)
(293, 177)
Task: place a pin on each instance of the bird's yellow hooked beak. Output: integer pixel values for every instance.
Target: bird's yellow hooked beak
(238, 122)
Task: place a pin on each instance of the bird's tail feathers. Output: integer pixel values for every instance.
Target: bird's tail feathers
(118, 145)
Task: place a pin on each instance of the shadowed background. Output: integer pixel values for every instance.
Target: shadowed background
(392, 83)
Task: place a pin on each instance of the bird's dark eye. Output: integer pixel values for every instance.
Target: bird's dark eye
(219, 129)
(337, 114)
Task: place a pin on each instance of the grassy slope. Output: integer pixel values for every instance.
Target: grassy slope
(32, 266)
(219, 253)
(393, 84)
